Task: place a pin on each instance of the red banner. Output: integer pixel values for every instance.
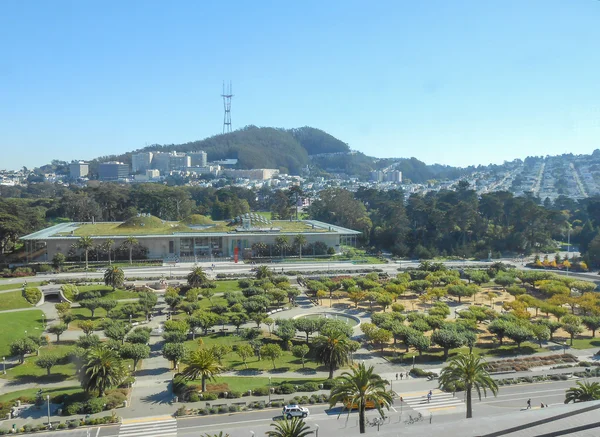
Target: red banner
(236, 252)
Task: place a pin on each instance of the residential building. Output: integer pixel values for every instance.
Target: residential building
(394, 176)
(161, 161)
(259, 174)
(179, 161)
(113, 171)
(377, 176)
(140, 162)
(198, 159)
(78, 169)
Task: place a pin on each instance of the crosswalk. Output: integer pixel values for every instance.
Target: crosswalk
(439, 401)
(158, 428)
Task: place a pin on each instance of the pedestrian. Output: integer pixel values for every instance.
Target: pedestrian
(396, 377)
(542, 405)
(401, 376)
(406, 375)
(429, 396)
(528, 404)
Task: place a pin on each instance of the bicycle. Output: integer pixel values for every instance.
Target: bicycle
(412, 420)
(378, 421)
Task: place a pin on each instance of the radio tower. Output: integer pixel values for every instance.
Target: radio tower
(227, 95)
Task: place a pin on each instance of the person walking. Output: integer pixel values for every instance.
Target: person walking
(396, 377)
(528, 404)
(429, 396)
(401, 376)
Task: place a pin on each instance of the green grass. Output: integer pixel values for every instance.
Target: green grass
(31, 392)
(13, 300)
(244, 383)
(29, 372)
(15, 324)
(233, 362)
(205, 304)
(15, 286)
(85, 314)
(223, 286)
(584, 343)
(108, 229)
(107, 292)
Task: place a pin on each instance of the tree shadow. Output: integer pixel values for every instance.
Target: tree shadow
(152, 372)
(165, 397)
(45, 379)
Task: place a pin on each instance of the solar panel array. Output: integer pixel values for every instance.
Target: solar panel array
(255, 219)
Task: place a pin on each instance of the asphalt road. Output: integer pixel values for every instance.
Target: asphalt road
(331, 423)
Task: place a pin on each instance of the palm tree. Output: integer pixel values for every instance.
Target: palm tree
(114, 277)
(196, 278)
(281, 242)
(263, 272)
(85, 243)
(107, 247)
(103, 369)
(360, 387)
(583, 392)
(332, 350)
(294, 427)
(202, 363)
(467, 371)
(130, 242)
(300, 242)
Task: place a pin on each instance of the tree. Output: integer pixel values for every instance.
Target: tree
(263, 272)
(572, 324)
(300, 242)
(107, 304)
(282, 243)
(107, 247)
(244, 351)
(117, 331)
(357, 297)
(219, 351)
(87, 326)
(135, 352)
(307, 325)
(85, 243)
(420, 342)
(447, 339)
(499, 327)
(540, 332)
(300, 351)
(47, 362)
(385, 300)
(272, 351)
(57, 330)
(238, 319)
(90, 304)
(174, 352)
(202, 363)
(583, 392)
(360, 387)
(22, 347)
(332, 350)
(130, 242)
(140, 335)
(592, 323)
(197, 277)
(519, 333)
(286, 330)
(460, 291)
(294, 427)
(58, 261)
(102, 369)
(114, 277)
(504, 280)
(468, 371)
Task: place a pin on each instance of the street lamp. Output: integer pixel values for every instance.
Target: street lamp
(413, 362)
(4, 365)
(564, 347)
(269, 390)
(48, 399)
(317, 431)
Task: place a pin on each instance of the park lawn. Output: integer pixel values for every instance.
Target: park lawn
(245, 383)
(15, 324)
(29, 372)
(107, 292)
(31, 392)
(85, 314)
(206, 304)
(18, 286)
(584, 343)
(223, 286)
(287, 362)
(13, 300)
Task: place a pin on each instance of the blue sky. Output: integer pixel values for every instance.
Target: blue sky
(459, 83)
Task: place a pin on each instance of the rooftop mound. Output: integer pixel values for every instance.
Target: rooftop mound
(148, 222)
(197, 219)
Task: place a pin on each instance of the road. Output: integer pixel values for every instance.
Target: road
(442, 408)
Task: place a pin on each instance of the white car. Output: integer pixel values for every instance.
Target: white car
(290, 411)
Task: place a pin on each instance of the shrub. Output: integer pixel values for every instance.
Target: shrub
(94, 405)
(234, 408)
(32, 295)
(62, 425)
(181, 411)
(202, 411)
(309, 386)
(73, 408)
(330, 383)
(261, 391)
(114, 399)
(420, 373)
(212, 410)
(209, 396)
(74, 423)
(234, 394)
(223, 409)
(193, 397)
(286, 389)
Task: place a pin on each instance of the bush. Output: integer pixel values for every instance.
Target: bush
(202, 411)
(74, 423)
(194, 397)
(420, 373)
(309, 386)
(209, 396)
(212, 410)
(286, 389)
(62, 425)
(223, 409)
(73, 408)
(234, 408)
(94, 405)
(234, 394)
(330, 383)
(114, 399)
(32, 295)
(261, 391)
(181, 411)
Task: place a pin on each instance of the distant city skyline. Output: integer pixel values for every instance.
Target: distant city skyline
(461, 84)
